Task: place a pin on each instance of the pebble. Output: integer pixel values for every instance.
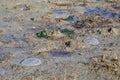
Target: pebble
(114, 31)
(31, 62)
(67, 32)
(92, 41)
(71, 19)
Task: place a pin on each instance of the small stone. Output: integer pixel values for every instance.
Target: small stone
(31, 62)
(32, 19)
(98, 31)
(67, 32)
(114, 31)
(80, 24)
(67, 44)
(70, 19)
(42, 34)
(92, 41)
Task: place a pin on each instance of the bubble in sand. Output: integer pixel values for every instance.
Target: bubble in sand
(31, 62)
(92, 41)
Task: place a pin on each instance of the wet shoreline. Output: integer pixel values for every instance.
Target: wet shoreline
(56, 40)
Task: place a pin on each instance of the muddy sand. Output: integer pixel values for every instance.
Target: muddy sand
(59, 40)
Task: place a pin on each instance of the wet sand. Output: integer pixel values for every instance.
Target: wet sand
(61, 57)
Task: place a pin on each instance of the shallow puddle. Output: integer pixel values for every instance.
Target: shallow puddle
(60, 54)
(61, 12)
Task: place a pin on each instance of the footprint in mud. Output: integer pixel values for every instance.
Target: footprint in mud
(60, 54)
(102, 12)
